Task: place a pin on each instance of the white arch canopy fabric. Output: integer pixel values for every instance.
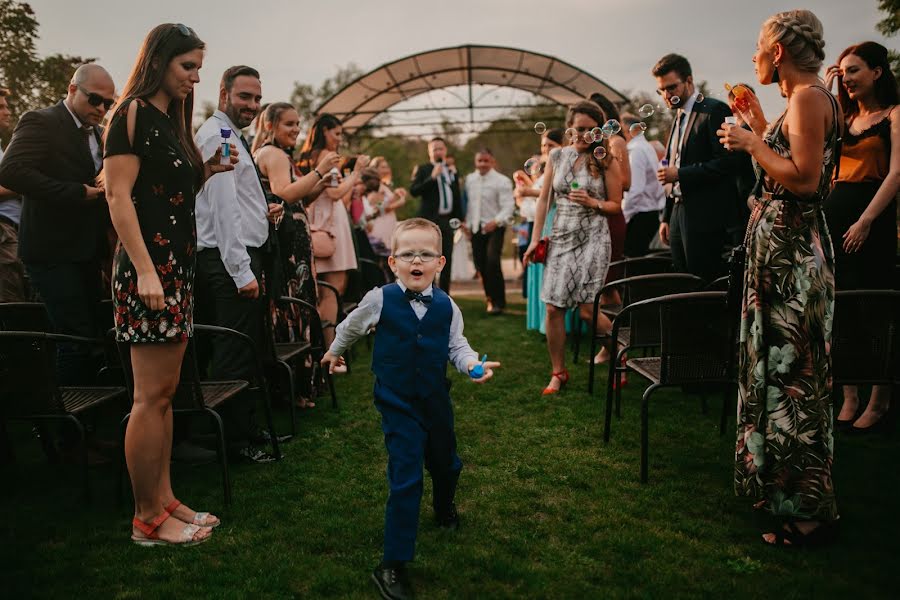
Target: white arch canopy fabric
(380, 89)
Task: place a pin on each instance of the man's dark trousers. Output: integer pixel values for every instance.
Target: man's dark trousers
(700, 253)
(71, 293)
(487, 250)
(447, 233)
(218, 303)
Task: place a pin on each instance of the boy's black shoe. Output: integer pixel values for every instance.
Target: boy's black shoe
(392, 582)
(448, 520)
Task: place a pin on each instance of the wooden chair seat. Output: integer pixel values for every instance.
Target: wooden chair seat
(218, 392)
(290, 350)
(649, 367)
(79, 399)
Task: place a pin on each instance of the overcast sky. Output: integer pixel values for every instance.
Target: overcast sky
(296, 40)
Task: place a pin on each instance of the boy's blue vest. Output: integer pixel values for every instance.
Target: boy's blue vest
(410, 356)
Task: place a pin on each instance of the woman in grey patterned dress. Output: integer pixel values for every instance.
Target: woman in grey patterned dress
(580, 250)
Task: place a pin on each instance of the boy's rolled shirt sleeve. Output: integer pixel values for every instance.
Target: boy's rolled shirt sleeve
(461, 353)
(358, 323)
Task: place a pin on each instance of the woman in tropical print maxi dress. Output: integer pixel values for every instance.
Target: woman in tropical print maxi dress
(785, 438)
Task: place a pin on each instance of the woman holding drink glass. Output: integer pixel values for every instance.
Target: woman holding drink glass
(588, 186)
(784, 448)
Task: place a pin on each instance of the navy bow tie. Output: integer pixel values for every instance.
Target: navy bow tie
(411, 295)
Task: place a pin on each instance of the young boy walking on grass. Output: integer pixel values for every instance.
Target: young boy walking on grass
(418, 329)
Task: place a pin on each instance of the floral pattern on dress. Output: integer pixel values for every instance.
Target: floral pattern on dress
(785, 441)
(163, 197)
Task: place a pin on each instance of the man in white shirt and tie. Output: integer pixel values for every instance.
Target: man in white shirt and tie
(645, 199)
(490, 206)
(232, 231)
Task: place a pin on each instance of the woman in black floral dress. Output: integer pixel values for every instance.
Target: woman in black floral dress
(153, 171)
(277, 133)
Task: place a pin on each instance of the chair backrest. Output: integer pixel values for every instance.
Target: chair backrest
(646, 265)
(308, 324)
(865, 343)
(25, 316)
(373, 274)
(28, 373)
(696, 343)
(644, 323)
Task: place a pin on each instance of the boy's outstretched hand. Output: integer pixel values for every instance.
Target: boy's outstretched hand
(489, 367)
(332, 361)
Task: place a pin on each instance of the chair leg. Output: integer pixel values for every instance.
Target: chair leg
(724, 417)
(121, 464)
(7, 454)
(607, 422)
(267, 407)
(330, 380)
(223, 454)
(616, 369)
(292, 394)
(83, 451)
(645, 430)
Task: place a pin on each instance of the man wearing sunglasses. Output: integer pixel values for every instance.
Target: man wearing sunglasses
(53, 160)
(699, 178)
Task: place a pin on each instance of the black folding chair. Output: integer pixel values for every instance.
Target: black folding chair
(631, 267)
(29, 390)
(309, 345)
(643, 335)
(696, 347)
(198, 397)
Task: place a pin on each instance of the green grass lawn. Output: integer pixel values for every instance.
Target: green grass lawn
(548, 510)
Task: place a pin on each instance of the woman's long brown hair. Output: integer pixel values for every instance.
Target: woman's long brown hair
(160, 47)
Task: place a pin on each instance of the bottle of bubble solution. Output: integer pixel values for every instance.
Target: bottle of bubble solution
(334, 177)
(226, 145)
(741, 96)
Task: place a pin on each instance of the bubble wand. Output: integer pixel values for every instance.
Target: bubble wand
(477, 371)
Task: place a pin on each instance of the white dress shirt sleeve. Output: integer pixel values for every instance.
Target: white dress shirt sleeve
(221, 195)
(358, 322)
(461, 353)
(505, 198)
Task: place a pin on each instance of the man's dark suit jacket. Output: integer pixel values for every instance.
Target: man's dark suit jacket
(426, 188)
(708, 171)
(48, 162)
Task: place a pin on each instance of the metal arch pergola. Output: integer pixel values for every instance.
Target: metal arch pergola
(376, 92)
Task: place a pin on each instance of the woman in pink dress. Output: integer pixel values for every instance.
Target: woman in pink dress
(327, 212)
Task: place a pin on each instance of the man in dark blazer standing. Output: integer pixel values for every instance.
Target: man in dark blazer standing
(438, 186)
(53, 160)
(699, 176)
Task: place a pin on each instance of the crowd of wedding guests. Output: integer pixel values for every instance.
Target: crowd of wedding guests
(111, 189)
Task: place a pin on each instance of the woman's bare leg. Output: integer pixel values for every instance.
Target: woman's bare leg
(156, 369)
(556, 342)
(879, 403)
(851, 403)
(328, 308)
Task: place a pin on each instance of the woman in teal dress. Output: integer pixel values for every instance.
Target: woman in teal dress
(535, 309)
(785, 442)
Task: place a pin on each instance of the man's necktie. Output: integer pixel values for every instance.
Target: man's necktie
(411, 295)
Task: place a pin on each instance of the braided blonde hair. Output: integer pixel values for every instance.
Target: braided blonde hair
(801, 34)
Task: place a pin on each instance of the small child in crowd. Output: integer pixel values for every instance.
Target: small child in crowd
(418, 329)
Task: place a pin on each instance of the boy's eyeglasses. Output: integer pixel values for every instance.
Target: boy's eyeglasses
(96, 99)
(425, 257)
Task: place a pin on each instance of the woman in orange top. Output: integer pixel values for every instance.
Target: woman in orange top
(861, 209)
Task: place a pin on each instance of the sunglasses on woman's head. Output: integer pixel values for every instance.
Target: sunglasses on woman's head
(96, 99)
(185, 30)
